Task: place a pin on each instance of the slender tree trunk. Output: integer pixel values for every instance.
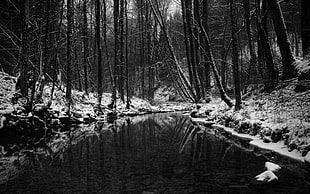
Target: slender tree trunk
(154, 53)
(223, 54)
(112, 79)
(57, 60)
(122, 56)
(189, 65)
(265, 55)
(45, 57)
(236, 70)
(207, 66)
(296, 41)
(126, 58)
(192, 51)
(142, 65)
(149, 44)
(253, 57)
(23, 83)
(197, 38)
(77, 78)
(76, 73)
(69, 48)
(116, 48)
(85, 45)
(272, 75)
(283, 40)
(259, 43)
(99, 62)
(94, 45)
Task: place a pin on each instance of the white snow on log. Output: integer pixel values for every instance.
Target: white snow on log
(266, 176)
(279, 148)
(272, 167)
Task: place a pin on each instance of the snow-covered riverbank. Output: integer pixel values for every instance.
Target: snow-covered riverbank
(277, 121)
(278, 147)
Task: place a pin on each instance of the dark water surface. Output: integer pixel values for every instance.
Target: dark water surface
(152, 154)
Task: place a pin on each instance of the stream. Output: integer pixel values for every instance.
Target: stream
(156, 153)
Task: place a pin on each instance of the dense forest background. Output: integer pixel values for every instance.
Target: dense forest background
(134, 47)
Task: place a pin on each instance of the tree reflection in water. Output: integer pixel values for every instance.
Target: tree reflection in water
(160, 153)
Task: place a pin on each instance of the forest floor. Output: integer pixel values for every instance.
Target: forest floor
(277, 121)
(82, 106)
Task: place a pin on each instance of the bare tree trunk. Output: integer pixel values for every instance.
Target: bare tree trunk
(207, 66)
(223, 55)
(126, 58)
(93, 47)
(112, 76)
(77, 78)
(85, 45)
(154, 49)
(283, 41)
(189, 65)
(142, 65)
(116, 49)
(192, 51)
(148, 53)
(99, 62)
(296, 41)
(259, 44)
(77, 63)
(253, 57)
(197, 37)
(43, 76)
(122, 56)
(236, 70)
(23, 79)
(69, 49)
(270, 76)
(55, 66)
